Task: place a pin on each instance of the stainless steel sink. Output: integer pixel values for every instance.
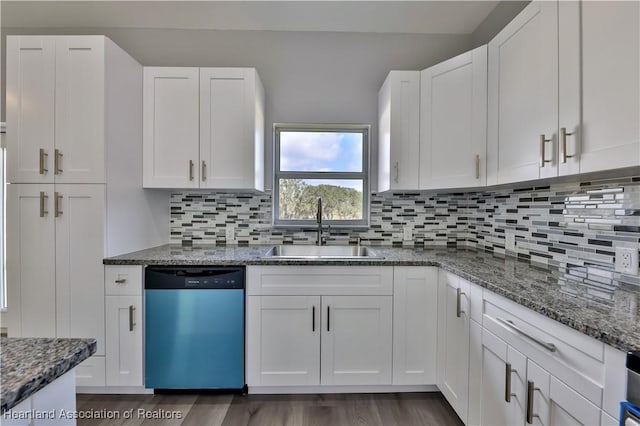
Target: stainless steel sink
(320, 252)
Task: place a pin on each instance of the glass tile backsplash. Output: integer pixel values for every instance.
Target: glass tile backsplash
(575, 224)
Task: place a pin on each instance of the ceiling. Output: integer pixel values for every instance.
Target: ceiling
(413, 17)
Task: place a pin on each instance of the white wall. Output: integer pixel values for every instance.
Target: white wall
(308, 76)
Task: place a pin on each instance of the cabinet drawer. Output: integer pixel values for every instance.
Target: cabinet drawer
(123, 280)
(578, 360)
(91, 372)
(320, 280)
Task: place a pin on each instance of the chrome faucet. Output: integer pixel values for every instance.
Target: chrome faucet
(319, 220)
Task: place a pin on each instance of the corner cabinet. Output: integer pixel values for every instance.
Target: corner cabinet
(453, 122)
(399, 131)
(563, 91)
(320, 325)
(203, 128)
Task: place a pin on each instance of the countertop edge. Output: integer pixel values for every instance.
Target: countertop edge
(55, 370)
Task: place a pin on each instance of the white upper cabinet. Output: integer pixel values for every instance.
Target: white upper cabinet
(523, 97)
(453, 122)
(564, 79)
(399, 131)
(80, 110)
(55, 109)
(231, 128)
(609, 45)
(170, 127)
(203, 128)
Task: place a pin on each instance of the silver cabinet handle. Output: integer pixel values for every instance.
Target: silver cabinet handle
(204, 171)
(530, 388)
(477, 167)
(543, 142)
(397, 169)
(56, 204)
(121, 281)
(132, 323)
(563, 144)
(313, 319)
(57, 162)
(190, 169)
(43, 159)
(548, 346)
(459, 310)
(507, 381)
(43, 204)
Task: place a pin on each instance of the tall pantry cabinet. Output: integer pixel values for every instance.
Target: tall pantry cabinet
(74, 150)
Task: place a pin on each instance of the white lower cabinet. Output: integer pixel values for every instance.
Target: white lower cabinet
(551, 402)
(124, 340)
(290, 337)
(356, 340)
(503, 396)
(123, 319)
(283, 340)
(319, 325)
(415, 325)
(453, 341)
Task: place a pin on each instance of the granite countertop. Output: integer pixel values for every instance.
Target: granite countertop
(30, 364)
(595, 302)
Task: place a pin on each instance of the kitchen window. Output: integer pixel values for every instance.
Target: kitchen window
(328, 161)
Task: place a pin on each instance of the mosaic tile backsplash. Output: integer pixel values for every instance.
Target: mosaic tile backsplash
(574, 224)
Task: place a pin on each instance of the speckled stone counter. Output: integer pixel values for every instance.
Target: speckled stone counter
(595, 302)
(30, 364)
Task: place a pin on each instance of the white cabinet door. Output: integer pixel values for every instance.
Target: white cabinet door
(79, 214)
(523, 97)
(283, 340)
(504, 370)
(228, 127)
(170, 127)
(610, 133)
(31, 286)
(415, 325)
(453, 341)
(399, 131)
(356, 340)
(80, 103)
(123, 340)
(453, 122)
(554, 403)
(30, 108)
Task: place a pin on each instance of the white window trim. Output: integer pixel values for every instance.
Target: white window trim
(3, 215)
(365, 129)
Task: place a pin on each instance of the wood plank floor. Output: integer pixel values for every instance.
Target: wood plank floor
(406, 409)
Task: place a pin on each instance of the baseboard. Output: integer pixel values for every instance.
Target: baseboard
(341, 389)
(113, 390)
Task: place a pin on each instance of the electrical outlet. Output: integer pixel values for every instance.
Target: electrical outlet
(627, 260)
(510, 241)
(230, 234)
(407, 233)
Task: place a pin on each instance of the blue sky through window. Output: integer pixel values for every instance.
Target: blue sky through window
(320, 151)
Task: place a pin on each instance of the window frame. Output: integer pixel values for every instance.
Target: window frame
(365, 130)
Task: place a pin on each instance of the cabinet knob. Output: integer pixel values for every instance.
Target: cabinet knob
(121, 281)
